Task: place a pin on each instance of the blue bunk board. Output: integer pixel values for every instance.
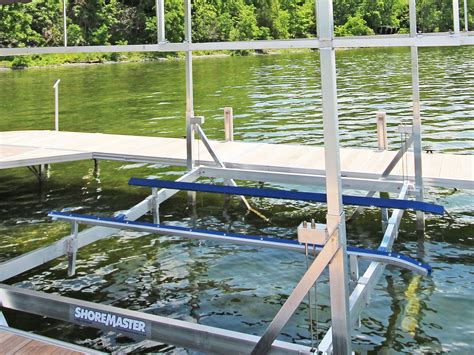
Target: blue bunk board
(289, 195)
(120, 222)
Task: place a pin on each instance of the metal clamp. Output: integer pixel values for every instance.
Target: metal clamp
(312, 233)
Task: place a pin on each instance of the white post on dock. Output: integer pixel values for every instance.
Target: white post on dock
(229, 124)
(417, 143)
(160, 20)
(466, 17)
(64, 23)
(189, 86)
(338, 270)
(56, 104)
(456, 25)
(382, 130)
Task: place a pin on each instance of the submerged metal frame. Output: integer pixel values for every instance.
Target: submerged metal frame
(344, 309)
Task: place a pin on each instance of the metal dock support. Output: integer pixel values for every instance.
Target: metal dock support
(417, 143)
(189, 85)
(338, 272)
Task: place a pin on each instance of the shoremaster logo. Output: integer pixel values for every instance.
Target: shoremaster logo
(88, 316)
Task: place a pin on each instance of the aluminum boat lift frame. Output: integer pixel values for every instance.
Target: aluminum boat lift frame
(345, 309)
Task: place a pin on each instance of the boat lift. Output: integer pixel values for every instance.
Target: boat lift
(140, 325)
(347, 299)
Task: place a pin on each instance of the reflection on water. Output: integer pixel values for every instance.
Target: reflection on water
(275, 99)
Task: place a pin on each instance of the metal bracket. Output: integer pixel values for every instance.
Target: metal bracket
(354, 268)
(313, 233)
(365, 281)
(408, 129)
(197, 120)
(334, 223)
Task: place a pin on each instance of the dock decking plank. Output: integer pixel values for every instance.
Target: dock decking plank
(23, 148)
(13, 343)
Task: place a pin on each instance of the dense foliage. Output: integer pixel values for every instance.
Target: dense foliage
(92, 22)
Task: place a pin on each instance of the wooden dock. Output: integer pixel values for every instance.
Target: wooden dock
(29, 148)
(14, 341)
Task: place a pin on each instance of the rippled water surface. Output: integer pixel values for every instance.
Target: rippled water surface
(276, 98)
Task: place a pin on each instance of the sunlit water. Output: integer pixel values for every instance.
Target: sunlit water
(276, 99)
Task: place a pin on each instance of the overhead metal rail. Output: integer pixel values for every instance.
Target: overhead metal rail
(289, 195)
(9, 2)
(258, 241)
(421, 40)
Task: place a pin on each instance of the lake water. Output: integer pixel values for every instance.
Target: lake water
(277, 99)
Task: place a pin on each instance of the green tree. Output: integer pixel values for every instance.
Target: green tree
(15, 27)
(355, 26)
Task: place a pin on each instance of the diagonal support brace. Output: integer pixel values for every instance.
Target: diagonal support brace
(299, 293)
(396, 159)
(221, 164)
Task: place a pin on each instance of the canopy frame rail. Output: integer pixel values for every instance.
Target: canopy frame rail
(421, 40)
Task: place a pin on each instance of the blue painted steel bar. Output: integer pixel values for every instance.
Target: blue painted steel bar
(289, 195)
(120, 223)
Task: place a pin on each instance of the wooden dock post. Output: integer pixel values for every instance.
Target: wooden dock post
(382, 130)
(229, 124)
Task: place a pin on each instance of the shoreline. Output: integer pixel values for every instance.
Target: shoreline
(100, 60)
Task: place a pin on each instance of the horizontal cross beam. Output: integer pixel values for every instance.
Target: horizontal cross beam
(258, 241)
(289, 195)
(425, 40)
